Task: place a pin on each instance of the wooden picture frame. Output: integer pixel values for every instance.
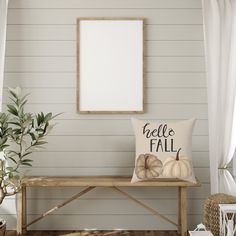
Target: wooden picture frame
(110, 65)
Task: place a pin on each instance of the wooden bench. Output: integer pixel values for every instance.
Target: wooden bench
(89, 183)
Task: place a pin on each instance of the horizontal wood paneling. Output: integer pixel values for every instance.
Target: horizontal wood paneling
(68, 64)
(153, 95)
(167, 95)
(106, 207)
(176, 80)
(67, 80)
(68, 32)
(41, 58)
(202, 173)
(152, 111)
(104, 4)
(110, 127)
(68, 48)
(100, 159)
(106, 143)
(154, 16)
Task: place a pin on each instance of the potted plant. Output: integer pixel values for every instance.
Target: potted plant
(21, 133)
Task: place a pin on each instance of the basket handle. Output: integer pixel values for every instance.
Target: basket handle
(200, 227)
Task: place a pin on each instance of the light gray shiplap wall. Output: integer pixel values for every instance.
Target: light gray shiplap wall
(41, 57)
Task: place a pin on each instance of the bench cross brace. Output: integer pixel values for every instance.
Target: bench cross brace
(88, 189)
(154, 212)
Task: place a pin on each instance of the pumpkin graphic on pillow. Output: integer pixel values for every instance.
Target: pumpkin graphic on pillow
(177, 167)
(163, 150)
(148, 166)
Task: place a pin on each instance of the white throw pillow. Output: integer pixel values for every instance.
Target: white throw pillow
(163, 150)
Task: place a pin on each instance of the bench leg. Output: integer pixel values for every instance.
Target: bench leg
(21, 211)
(182, 211)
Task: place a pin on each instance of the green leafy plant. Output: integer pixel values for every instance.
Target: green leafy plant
(21, 133)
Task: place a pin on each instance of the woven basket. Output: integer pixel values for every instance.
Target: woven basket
(211, 216)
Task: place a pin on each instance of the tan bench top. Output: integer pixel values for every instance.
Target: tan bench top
(101, 181)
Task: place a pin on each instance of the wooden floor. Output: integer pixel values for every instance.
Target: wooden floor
(97, 233)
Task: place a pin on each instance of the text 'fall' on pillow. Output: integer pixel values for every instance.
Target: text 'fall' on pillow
(163, 150)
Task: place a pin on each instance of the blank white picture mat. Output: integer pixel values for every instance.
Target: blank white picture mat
(111, 65)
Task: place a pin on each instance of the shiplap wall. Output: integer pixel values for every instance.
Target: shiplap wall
(41, 57)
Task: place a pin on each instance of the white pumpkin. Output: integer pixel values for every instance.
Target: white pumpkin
(148, 166)
(177, 167)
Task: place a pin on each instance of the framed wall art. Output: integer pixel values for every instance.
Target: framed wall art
(110, 65)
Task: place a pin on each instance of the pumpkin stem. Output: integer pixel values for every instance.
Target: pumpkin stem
(177, 154)
(145, 163)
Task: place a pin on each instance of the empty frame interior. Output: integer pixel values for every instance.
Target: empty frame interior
(110, 65)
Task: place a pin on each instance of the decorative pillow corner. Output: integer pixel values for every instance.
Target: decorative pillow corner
(163, 150)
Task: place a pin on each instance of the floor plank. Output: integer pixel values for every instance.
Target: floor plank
(96, 233)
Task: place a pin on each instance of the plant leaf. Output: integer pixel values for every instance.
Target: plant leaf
(12, 109)
(12, 159)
